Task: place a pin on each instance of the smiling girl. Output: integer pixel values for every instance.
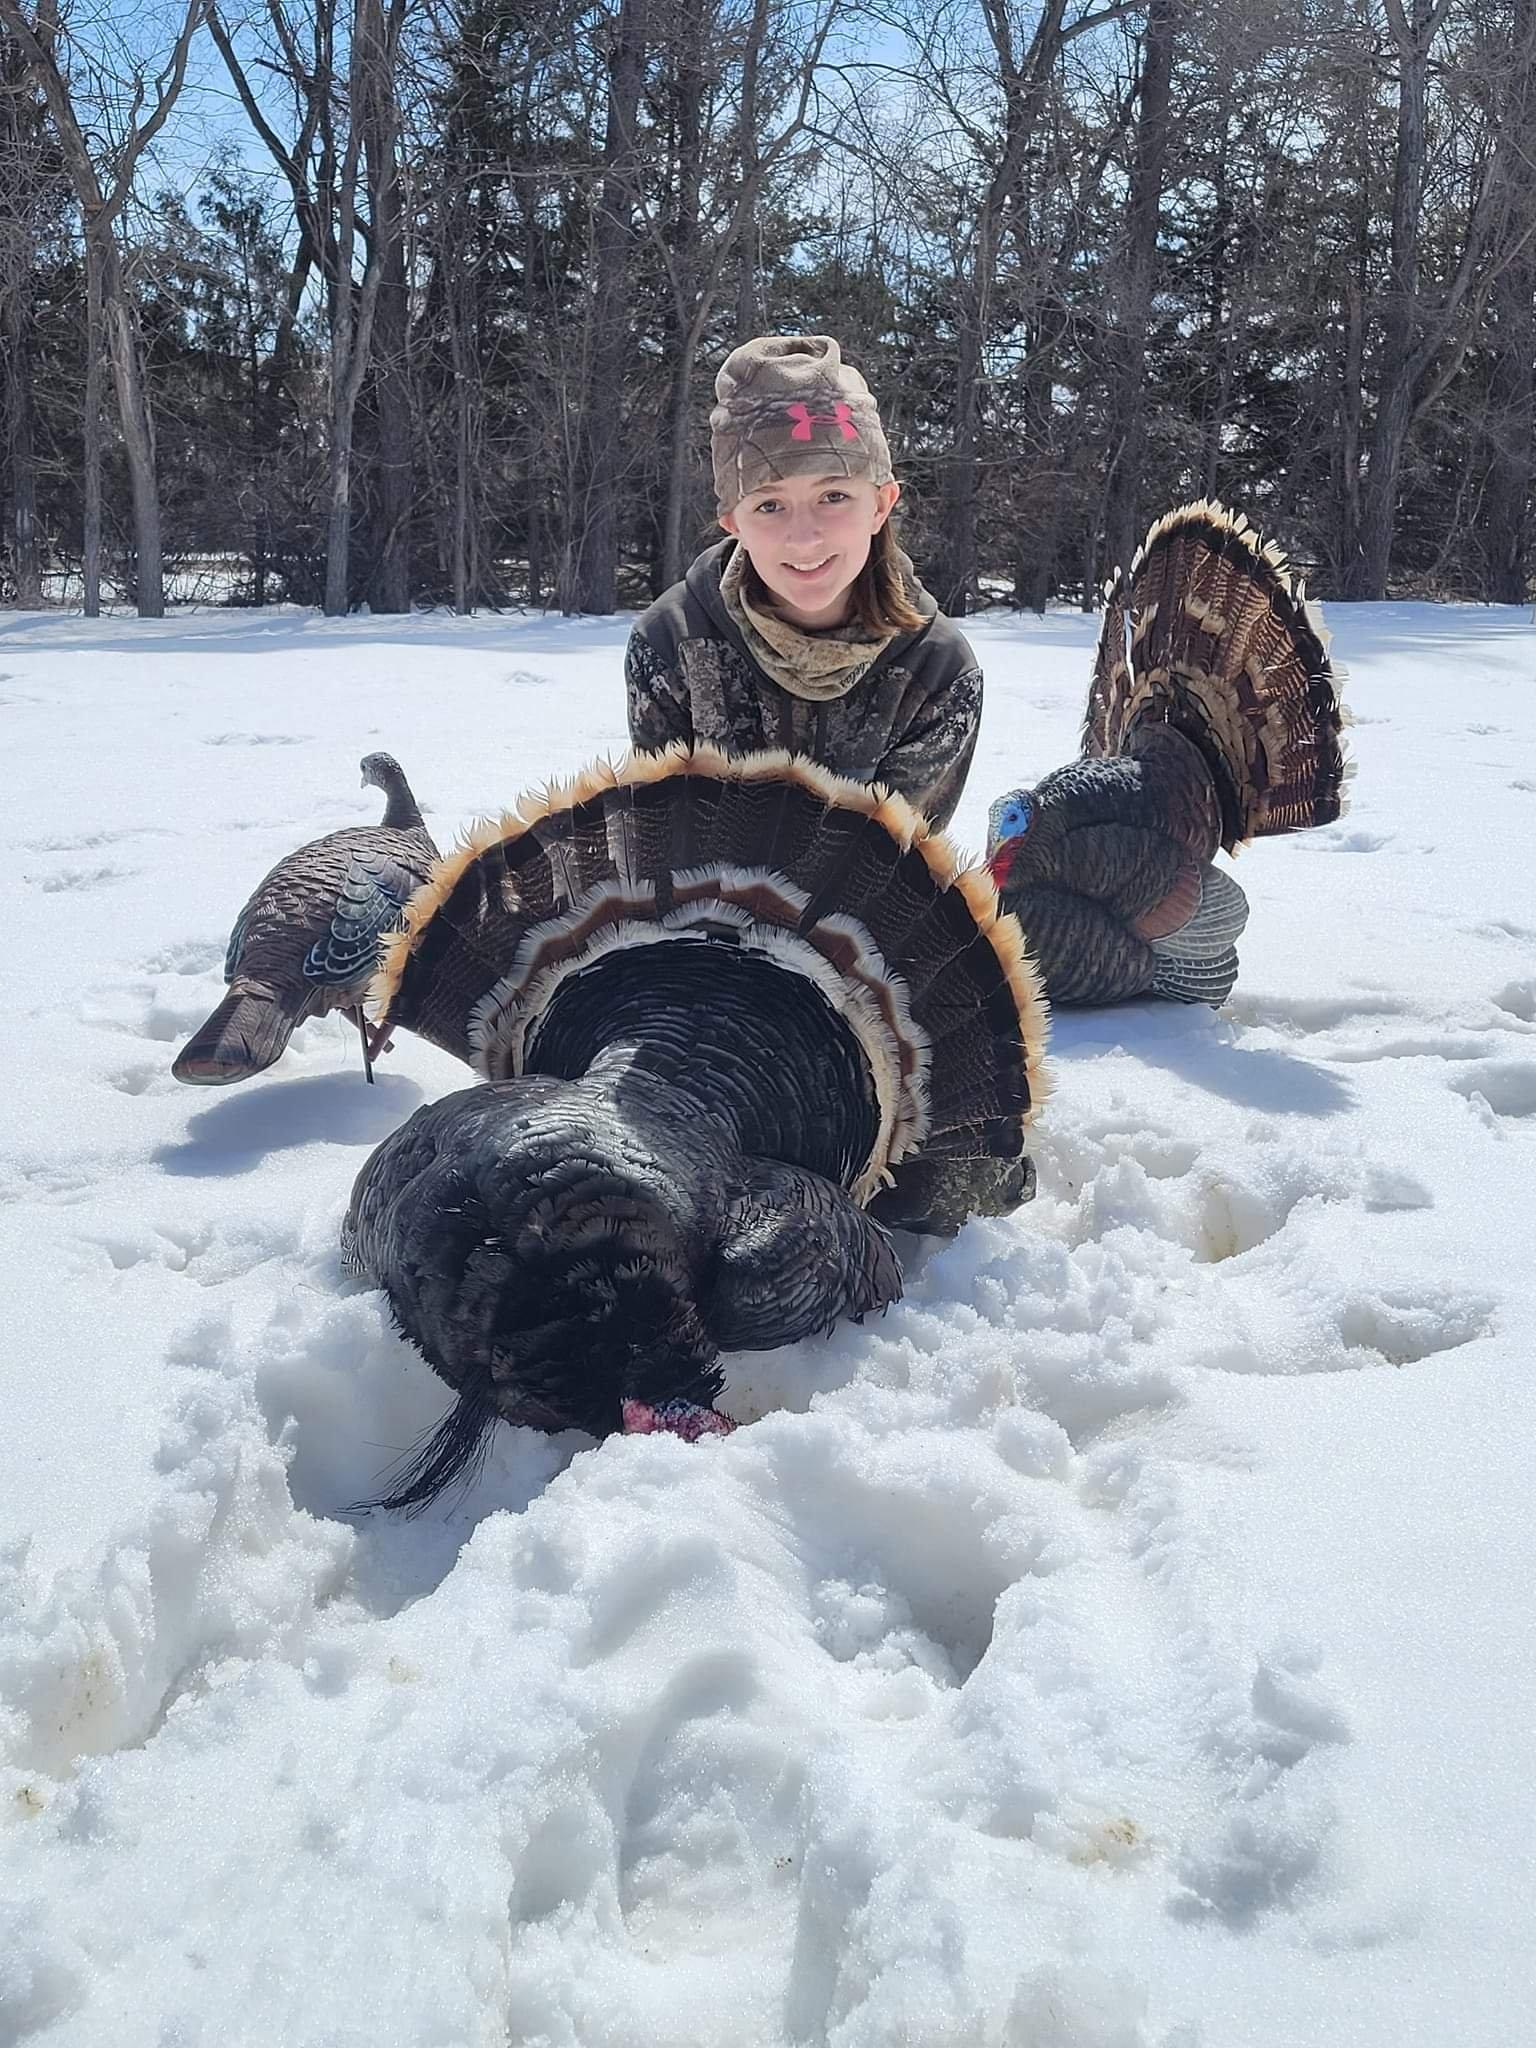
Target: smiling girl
(806, 628)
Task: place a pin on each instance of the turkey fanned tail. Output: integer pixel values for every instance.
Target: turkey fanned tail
(1210, 634)
(1213, 718)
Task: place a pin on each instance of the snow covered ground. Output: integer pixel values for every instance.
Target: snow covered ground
(1126, 1643)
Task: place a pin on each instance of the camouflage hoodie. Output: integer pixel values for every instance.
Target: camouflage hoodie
(908, 719)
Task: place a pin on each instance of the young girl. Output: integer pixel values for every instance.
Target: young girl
(807, 628)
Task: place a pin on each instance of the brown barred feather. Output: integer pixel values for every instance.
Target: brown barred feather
(829, 878)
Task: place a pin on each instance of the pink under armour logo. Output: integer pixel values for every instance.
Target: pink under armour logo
(804, 419)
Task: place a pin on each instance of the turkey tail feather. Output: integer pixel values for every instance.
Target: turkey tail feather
(832, 880)
(1209, 633)
(246, 1033)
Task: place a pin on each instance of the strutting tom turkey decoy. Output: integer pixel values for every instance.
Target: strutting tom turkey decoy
(715, 1004)
(1213, 718)
(308, 940)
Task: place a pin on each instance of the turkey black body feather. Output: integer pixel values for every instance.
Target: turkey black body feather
(717, 1006)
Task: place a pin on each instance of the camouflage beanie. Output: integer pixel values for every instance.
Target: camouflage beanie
(788, 405)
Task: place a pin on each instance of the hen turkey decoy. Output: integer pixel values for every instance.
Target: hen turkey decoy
(1213, 718)
(715, 1002)
(308, 940)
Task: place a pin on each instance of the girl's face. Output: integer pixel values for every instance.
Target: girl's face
(808, 537)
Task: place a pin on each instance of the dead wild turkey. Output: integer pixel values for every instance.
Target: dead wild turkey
(308, 940)
(716, 1003)
(1219, 722)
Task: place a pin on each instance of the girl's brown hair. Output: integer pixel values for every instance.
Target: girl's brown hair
(879, 594)
(878, 598)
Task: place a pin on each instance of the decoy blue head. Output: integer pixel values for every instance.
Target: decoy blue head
(1007, 822)
(1009, 817)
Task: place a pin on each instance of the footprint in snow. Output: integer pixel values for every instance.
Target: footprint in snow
(912, 1563)
(77, 879)
(1302, 1016)
(186, 956)
(151, 1078)
(1502, 928)
(1518, 999)
(139, 1009)
(209, 1253)
(1404, 1329)
(1268, 1835)
(45, 1180)
(86, 842)
(1439, 1045)
(256, 739)
(1507, 1087)
(1345, 839)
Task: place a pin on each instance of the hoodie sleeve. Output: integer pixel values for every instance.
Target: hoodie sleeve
(655, 697)
(930, 758)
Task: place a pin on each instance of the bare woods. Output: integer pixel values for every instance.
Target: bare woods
(419, 301)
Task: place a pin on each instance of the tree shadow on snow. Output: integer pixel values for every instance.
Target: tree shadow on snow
(236, 1133)
(1198, 1047)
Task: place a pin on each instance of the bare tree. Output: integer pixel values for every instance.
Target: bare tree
(19, 182)
(103, 190)
(376, 109)
(341, 166)
(1512, 384)
(1123, 485)
(1003, 134)
(1415, 328)
(589, 567)
(698, 247)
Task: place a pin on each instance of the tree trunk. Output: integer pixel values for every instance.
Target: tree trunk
(467, 399)
(350, 335)
(749, 305)
(90, 539)
(125, 351)
(1351, 429)
(19, 122)
(589, 577)
(1128, 429)
(20, 452)
(390, 583)
(352, 313)
(1394, 383)
(99, 211)
(1511, 479)
(465, 577)
(955, 568)
(679, 421)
